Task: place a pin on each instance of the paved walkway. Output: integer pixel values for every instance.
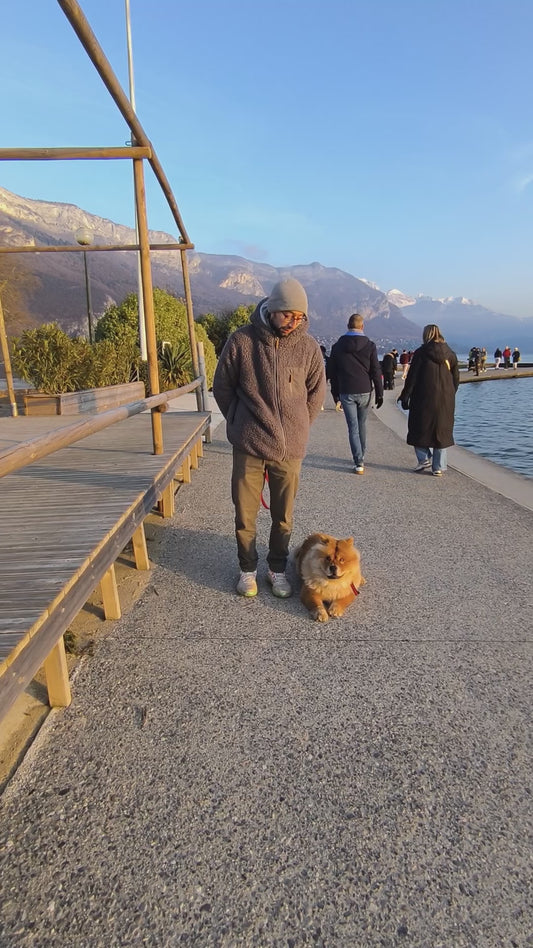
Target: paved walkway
(232, 774)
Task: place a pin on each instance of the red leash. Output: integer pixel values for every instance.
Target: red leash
(354, 589)
(263, 501)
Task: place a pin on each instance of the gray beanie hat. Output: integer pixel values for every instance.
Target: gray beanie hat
(287, 296)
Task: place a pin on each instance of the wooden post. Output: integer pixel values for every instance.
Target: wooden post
(56, 671)
(167, 500)
(184, 472)
(109, 590)
(194, 456)
(148, 299)
(4, 346)
(140, 549)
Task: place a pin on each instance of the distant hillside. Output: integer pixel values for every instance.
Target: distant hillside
(466, 323)
(52, 286)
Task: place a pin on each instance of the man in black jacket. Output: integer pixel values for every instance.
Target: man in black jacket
(354, 370)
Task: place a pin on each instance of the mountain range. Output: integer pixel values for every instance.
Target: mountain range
(51, 286)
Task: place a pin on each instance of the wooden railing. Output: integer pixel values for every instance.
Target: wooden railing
(29, 451)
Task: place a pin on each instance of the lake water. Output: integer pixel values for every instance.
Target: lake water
(495, 420)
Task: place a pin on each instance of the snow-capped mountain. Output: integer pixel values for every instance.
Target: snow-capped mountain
(51, 286)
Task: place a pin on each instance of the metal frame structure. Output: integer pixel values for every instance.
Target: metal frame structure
(141, 150)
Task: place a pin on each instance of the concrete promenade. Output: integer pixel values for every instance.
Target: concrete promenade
(231, 773)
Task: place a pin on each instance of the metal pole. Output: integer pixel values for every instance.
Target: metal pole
(142, 325)
(4, 346)
(190, 322)
(205, 393)
(88, 295)
(148, 296)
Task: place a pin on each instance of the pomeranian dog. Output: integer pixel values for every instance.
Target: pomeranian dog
(330, 571)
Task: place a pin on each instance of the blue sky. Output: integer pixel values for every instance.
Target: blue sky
(390, 138)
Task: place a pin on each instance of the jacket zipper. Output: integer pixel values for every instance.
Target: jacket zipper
(278, 400)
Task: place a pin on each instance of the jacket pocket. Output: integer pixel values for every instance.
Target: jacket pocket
(296, 380)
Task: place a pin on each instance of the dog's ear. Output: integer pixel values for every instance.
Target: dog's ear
(349, 541)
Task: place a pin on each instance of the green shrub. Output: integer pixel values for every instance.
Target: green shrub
(120, 322)
(54, 363)
(219, 328)
(49, 359)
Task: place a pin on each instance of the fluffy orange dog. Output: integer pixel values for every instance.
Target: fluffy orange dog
(330, 571)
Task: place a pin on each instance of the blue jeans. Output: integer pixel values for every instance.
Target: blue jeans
(438, 458)
(355, 411)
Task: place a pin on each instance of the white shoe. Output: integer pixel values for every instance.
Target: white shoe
(280, 584)
(247, 585)
(423, 466)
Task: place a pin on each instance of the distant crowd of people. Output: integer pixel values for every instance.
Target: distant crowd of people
(509, 358)
(477, 358)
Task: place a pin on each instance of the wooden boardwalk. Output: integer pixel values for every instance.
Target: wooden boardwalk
(66, 518)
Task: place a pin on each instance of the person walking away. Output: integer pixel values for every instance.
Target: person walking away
(497, 358)
(515, 357)
(483, 365)
(269, 384)
(354, 370)
(404, 362)
(506, 358)
(429, 396)
(388, 367)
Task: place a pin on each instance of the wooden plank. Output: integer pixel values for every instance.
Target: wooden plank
(59, 497)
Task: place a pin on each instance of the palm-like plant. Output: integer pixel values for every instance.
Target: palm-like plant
(174, 364)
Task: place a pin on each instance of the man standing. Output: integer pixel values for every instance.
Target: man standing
(354, 369)
(270, 385)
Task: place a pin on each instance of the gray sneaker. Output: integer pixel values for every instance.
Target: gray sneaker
(280, 584)
(247, 585)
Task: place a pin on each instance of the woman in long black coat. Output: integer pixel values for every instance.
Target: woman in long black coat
(429, 395)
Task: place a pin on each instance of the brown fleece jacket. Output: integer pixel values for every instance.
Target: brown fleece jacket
(269, 388)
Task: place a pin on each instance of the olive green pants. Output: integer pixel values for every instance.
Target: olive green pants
(247, 481)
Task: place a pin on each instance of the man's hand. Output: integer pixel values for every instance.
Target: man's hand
(338, 406)
(379, 401)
